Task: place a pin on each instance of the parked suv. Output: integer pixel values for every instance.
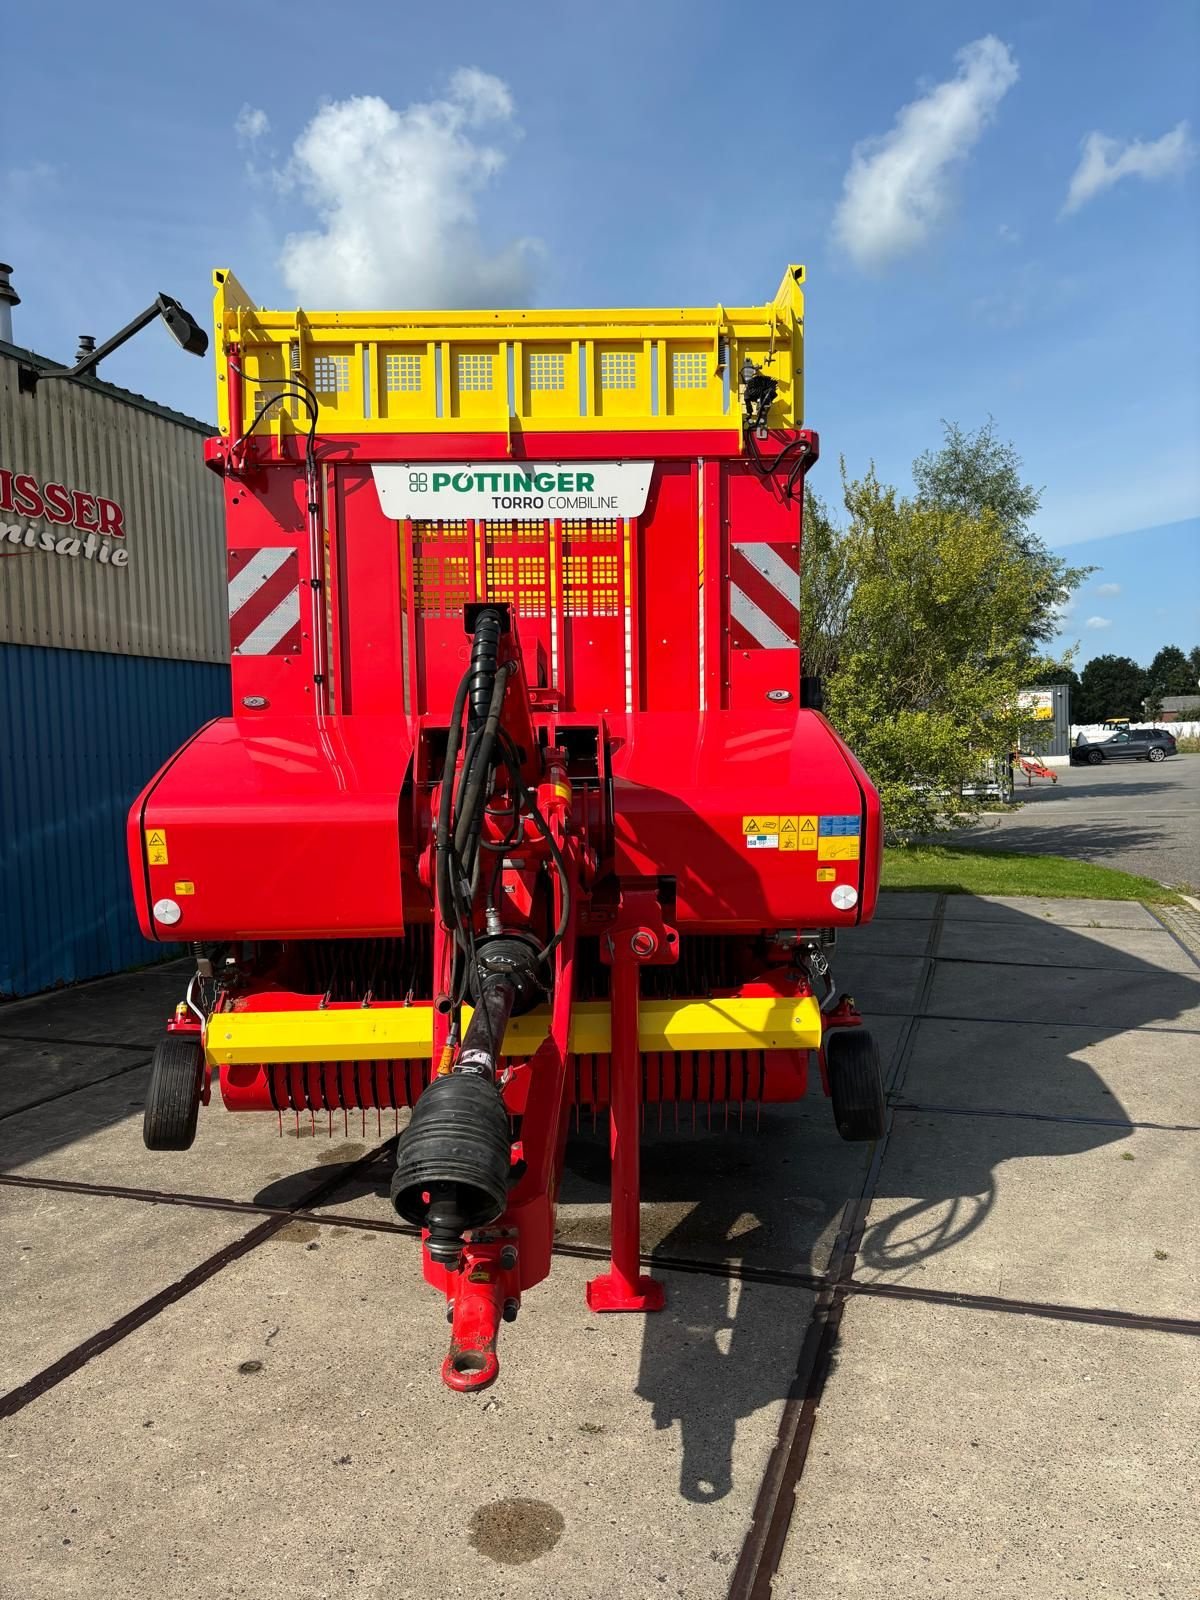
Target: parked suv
(1130, 744)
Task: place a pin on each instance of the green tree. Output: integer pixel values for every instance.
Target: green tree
(825, 587)
(931, 646)
(1193, 668)
(1169, 672)
(1110, 686)
(978, 472)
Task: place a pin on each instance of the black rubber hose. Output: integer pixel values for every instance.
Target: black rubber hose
(472, 784)
(446, 806)
(485, 650)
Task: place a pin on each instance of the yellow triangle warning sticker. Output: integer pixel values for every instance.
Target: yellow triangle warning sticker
(787, 824)
(155, 837)
(808, 825)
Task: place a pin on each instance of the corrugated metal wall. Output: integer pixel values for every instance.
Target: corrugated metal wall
(170, 600)
(82, 733)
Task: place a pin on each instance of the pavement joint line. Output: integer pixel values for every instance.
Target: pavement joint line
(1042, 921)
(66, 1366)
(1035, 1022)
(78, 1088)
(78, 1044)
(999, 961)
(966, 1300)
(1049, 1116)
(778, 1277)
(775, 1502)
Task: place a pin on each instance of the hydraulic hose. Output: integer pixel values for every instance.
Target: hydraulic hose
(476, 769)
(481, 675)
(442, 839)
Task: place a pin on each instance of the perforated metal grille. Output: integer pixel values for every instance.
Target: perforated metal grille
(401, 373)
(519, 581)
(331, 374)
(689, 369)
(618, 369)
(516, 532)
(441, 583)
(597, 529)
(591, 583)
(547, 370)
(451, 528)
(474, 370)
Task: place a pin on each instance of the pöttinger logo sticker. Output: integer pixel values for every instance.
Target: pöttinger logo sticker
(437, 490)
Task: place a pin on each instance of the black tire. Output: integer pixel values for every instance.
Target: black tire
(1157, 753)
(855, 1084)
(173, 1098)
(1095, 758)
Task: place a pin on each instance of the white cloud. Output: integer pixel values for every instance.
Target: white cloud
(1098, 622)
(251, 123)
(1106, 161)
(898, 186)
(395, 193)
(1108, 588)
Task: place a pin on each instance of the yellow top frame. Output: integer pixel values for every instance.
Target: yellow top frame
(503, 371)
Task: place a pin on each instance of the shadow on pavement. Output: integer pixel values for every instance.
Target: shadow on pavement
(774, 1197)
(1082, 841)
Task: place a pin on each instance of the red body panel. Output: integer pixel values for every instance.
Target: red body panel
(285, 828)
(684, 787)
(675, 631)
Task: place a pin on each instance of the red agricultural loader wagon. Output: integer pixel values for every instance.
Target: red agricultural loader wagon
(524, 804)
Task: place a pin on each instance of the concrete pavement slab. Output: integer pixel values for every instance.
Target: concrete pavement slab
(893, 936)
(615, 1453)
(1145, 1075)
(1072, 1213)
(131, 1008)
(1058, 1460)
(903, 903)
(95, 1136)
(36, 1071)
(74, 1264)
(880, 983)
(1126, 999)
(1057, 945)
(1069, 913)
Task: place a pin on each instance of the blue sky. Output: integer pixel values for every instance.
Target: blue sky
(669, 152)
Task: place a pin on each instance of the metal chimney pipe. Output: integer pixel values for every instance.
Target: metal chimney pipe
(8, 299)
(87, 344)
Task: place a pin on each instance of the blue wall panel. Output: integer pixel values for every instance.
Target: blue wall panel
(80, 734)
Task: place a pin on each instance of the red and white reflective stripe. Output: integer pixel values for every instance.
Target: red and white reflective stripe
(764, 596)
(264, 601)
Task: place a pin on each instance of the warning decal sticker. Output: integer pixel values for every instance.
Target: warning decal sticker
(829, 838)
(156, 846)
(760, 822)
(835, 849)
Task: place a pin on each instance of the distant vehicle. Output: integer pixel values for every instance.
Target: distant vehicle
(1128, 744)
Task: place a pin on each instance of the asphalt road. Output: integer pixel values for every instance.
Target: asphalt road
(1132, 815)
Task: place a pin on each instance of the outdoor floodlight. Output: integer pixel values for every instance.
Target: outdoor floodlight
(184, 329)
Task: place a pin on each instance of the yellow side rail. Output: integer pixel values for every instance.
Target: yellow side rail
(405, 1033)
(479, 371)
